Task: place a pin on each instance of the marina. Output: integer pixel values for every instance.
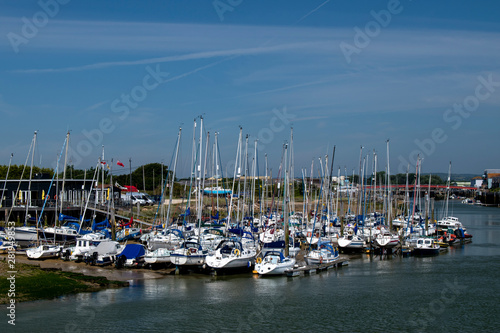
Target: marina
(421, 290)
(250, 166)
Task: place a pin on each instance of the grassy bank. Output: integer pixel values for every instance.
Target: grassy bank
(35, 283)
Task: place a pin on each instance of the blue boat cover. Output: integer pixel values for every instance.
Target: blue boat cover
(101, 225)
(133, 251)
(275, 245)
(237, 231)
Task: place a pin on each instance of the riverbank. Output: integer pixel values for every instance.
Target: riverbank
(109, 272)
(33, 282)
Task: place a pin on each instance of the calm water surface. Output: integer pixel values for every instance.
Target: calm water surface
(454, 292)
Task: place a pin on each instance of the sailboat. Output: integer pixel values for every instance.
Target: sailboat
(386, 239)
(350, 241)
(451, 223)
(324, 254)
(26, 233)
(273, 263)
(159, 256)
(231, 254)
(189, 254)
(46, 250)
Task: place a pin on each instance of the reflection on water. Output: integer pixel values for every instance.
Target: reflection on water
(370, 294)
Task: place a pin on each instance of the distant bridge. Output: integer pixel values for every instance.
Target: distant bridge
(424, 187)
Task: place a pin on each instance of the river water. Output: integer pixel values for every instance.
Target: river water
(454, 292)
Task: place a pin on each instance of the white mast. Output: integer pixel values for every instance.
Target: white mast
(64, 172)
(235, 174)
(28, 193)
(245, 170)
(389, 192)
(199, 172)
(173, 177)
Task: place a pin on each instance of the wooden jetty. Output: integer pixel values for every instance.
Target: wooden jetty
(313, 269)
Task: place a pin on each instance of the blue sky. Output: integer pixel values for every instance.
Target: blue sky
(344, 73)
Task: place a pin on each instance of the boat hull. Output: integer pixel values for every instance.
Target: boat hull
(387, 244)
(351, 244)
(275, 269)
(426, 252)
(230, 262)
(187, 260)
(26, 234)
(44, 252)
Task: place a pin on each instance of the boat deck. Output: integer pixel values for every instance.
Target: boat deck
(313, 269)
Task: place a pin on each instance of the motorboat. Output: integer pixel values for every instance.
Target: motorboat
(44, 251)
(426, 247)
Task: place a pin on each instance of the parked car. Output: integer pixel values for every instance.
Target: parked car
(137, 198)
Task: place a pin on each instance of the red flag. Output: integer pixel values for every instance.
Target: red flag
(120, 164)
(103, 163)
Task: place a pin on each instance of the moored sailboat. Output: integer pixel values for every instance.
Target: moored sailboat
(231, 254)
(273, 263)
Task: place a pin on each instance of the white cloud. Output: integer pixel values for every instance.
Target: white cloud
(135, 43)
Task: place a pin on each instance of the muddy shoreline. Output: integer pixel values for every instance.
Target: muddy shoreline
(109, 272)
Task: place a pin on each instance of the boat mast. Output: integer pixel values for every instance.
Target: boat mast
(161, 197)
(285, 203)
(245, 170)
(330, 184)
(414, 193)
(239, 184)
(82, 197)
(448, 190)
(236, 169)
(326, 197)
(112, 193)
(28, 193)
(304, 197)
(216, 165)
(363, 187)
(317, 209)
(337, 199)
(204, 173)
(58, 194)
(173, 177)
(311, 181)
(103, 163)
(389, 192)
(292, 174)
(64, 172)
(428, 206)
(321, 199)
(265, 189)
(254, 179)
(199, 174)
(359, 182)
(375, 183)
